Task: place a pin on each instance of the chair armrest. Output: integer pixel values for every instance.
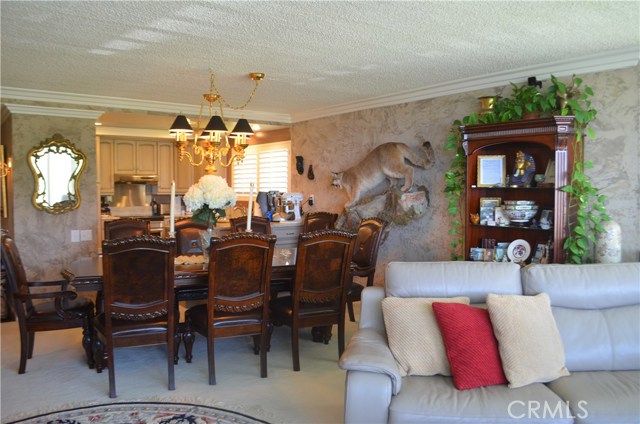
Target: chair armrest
(60, 283)
(368, 351)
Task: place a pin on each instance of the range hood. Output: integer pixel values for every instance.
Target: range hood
(135, 179)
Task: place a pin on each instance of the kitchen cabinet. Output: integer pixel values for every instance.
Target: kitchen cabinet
(549, 142)
(165, 166)
(186, 174)
(136, 157)
(287, 233)
(105, 153)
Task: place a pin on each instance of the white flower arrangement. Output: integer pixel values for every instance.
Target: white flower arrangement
(208, 197)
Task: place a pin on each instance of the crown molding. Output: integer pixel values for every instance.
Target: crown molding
(618, 59)
(53, 111)
(609, 61)
(118, 103)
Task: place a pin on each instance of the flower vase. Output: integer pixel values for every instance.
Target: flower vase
(205, 239)
(609, 243)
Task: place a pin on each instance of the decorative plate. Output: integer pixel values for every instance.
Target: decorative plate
(518, 251)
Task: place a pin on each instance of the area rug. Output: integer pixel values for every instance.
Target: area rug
(141, 413)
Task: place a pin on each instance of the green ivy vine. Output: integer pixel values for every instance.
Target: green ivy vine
(559, 99)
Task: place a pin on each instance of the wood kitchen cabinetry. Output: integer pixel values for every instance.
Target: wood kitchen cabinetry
(105, 159)
(548, 141)
(136, 157)
(166, 166)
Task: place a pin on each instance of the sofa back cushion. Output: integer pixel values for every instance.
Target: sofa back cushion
(597, 311)
(448, 279)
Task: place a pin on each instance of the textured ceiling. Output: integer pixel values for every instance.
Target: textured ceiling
(316, 55)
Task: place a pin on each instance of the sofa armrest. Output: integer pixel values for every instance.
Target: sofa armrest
(368, 351)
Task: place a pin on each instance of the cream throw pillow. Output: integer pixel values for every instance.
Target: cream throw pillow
(529, 342)
(414, 336)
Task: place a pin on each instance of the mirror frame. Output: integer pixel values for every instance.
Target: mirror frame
(56, 144)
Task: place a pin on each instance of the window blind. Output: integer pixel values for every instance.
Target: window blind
(267, 165)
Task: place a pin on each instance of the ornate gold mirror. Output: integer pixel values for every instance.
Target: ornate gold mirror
(56, 167)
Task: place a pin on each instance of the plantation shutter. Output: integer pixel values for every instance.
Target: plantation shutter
(267, 165)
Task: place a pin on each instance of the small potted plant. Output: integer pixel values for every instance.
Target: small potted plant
(526, 102)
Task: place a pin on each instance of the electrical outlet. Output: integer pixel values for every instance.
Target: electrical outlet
(75, 236)
(85, 235)
(312, 200)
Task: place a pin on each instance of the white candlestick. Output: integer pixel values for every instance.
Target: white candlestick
(172, 212)
(250, 213)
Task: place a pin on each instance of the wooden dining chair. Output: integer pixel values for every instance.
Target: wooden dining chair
(365, 257)
(121, 228)
(238, 297)
(314, 221)
(258, 224)
(320, 286)
(188, 240)
(138, 275)
(36, 310)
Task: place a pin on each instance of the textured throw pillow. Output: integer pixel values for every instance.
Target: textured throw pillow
(529, 342)
(413, 334)
(471, 347)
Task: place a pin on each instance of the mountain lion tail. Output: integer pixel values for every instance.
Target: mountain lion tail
(423, 162)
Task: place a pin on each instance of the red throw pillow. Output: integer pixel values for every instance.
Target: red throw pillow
(472, 348)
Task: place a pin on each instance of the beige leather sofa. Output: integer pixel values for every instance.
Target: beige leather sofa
(597, 312)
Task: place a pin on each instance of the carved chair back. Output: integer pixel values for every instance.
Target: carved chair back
(238, 300)
(320, 286)
(139, 309)
(121, 228)
(188, 241)
(365, 257)
(54, 310)
(314, 221)
(258, 224)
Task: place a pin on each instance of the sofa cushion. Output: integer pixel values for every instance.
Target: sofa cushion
(414, 336)
(435, 400)
(601, 397)
(448, 279)
(529, 341)
(596, 307)
(600, 339)
(472, 348)
(592, 286)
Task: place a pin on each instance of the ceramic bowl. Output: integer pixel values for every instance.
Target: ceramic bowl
(521, 215)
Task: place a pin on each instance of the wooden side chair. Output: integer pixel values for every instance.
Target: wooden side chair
(238, 298)
(121, 228)
(320, 288)
(56, 310)
(314, 221)
(188, 241)
(365, 257)
(138, 300)
(258, 224)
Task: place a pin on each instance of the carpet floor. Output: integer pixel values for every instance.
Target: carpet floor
(57, 377)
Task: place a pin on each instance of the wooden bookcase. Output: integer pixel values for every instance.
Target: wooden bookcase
(545, 139)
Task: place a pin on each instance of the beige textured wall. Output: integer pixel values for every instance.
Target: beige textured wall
(338, 142)
(44, 239)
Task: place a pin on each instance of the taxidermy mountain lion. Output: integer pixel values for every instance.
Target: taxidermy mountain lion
(385, 161)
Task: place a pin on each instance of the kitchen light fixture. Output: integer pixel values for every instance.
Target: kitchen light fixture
(214, 140)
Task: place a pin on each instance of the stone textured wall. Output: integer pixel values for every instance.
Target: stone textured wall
(335, 144)
(339, 142)
(44, 239)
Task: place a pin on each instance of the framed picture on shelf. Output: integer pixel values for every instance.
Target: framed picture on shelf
(491, 171)
(493, 202)
(487, 215)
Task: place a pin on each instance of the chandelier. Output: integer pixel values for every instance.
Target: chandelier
(211, 143)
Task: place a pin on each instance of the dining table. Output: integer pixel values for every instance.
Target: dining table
(190, 281)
